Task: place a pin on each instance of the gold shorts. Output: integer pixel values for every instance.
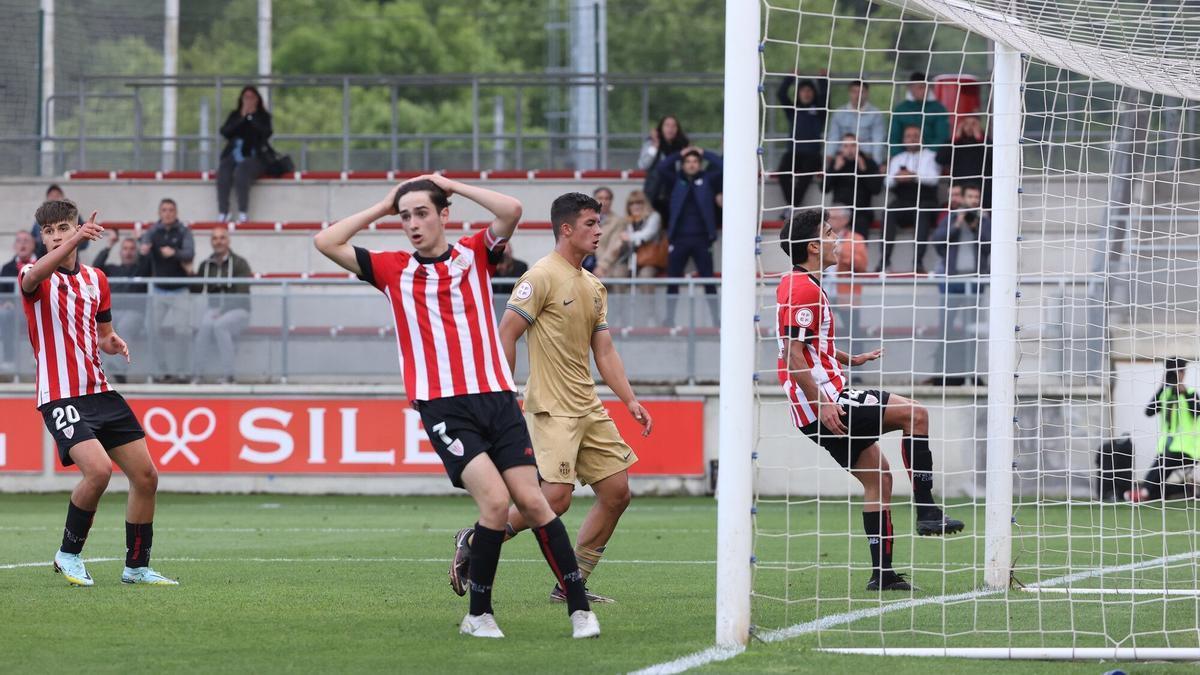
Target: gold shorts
(587, 448)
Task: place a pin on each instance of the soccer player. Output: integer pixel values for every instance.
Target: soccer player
(1178, 407)
(564, 309)
(69, 311)
(846, 422)
(456, 376)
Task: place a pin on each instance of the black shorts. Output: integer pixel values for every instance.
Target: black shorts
(105, 417)
(461, 427)
(862, 413)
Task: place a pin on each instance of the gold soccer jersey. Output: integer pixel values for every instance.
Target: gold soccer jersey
(564, 306)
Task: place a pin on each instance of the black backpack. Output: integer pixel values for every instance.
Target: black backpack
(1115, 464)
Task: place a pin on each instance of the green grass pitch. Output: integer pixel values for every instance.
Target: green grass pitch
(351, 584)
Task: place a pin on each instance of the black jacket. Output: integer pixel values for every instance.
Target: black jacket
(850, 186)
(807, 122)
(119, 271)
(253, 129)
(9, 270)
(178, 237)
(967, 158)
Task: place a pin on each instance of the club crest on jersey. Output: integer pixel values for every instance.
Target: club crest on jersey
(91, 292)
(523, 291)
(461, 262)
(804, 317)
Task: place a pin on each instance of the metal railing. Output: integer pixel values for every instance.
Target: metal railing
(339, 330)
(503, 131)
(506, 100)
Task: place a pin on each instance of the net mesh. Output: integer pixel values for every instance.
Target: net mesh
(1107, 278)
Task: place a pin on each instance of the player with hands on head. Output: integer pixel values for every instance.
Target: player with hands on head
(457, 377)
(69, 310)
(847, 423)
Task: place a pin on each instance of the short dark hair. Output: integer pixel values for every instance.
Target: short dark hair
(802, 229)
(441, 201)
(53, 187)
(849, 134)
(167, 200)
(972, 186)
(567, 208)
(859, 83)
(56, 211)
(602, 188)
(693, 153)
(917, 76)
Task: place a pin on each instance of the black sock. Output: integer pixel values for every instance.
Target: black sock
(79, 522)
(878, 526)
(139, 537)
(485, 556)
(919, 462)
(556, 549)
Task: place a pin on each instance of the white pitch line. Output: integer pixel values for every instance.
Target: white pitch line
(701, 658)
(442, 561)
(714, 654)
(323, 530)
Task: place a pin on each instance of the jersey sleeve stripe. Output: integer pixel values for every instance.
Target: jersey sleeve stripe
(520, 311)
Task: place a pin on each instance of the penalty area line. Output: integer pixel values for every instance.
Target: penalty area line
(715, 654)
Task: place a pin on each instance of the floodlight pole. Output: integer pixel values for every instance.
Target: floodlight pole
(170, 94)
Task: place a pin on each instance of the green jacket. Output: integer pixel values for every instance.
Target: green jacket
(1177, 420)
(930, 115)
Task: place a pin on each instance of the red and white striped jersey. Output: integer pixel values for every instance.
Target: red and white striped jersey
(445, 321)
(62, 314)
(803, 313)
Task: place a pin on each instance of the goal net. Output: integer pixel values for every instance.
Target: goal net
(1026, 178)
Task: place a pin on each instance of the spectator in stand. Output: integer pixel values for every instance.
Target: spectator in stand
(227, 312)
(806, 114)
(964, 246)
(852, 178)
(862, 119)
(692, 227)
(167, 249)
(509, 267)
(970, 157)
(604, 196)
(247, 130)
(851, 252)
(912, 182)
(926, 114)
(619, 254)
(666, 139)
(128, 298)
(23, 254)
(956, 190)
(54, 193)
(851, 261)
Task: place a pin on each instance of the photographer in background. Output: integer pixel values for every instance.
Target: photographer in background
(963, 242)
(1177, 406)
